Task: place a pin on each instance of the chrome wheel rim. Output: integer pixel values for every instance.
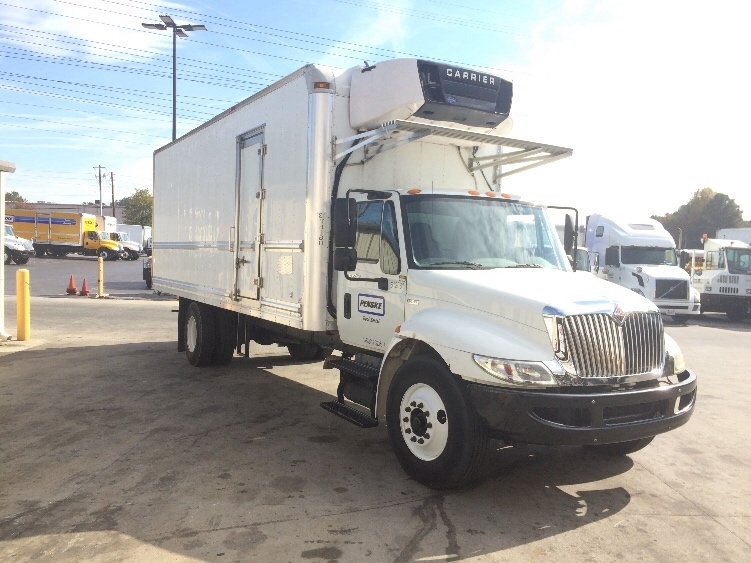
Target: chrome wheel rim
(191, 334)
(423, 422)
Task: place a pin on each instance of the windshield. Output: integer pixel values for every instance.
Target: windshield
(654, 255)
(450, 232)
(104, 236)
(9, 231)
(739, 261)
(123, 236)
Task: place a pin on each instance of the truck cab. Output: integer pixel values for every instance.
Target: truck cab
(16, 248)
(724, 278)
(640, 255)
(131, 249)
(99, 243)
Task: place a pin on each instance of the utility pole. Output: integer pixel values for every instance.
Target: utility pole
(112, 180)
(100, 186)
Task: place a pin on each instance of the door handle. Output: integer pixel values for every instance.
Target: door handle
(231, 238)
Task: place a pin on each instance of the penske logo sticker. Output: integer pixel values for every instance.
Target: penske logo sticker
(371, 304)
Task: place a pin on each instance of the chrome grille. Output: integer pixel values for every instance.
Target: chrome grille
(600, 347)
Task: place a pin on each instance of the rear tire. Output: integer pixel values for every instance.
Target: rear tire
(200, 334)
(437, 436)
(226, 338)
(621, 448)
(736, 315)
(305, 352)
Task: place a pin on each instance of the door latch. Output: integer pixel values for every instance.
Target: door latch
(241, 262)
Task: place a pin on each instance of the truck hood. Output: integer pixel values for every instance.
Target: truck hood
(521, 294)
(18, 243)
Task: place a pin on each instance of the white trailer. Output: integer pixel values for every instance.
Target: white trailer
(136, 233)
(357, 212)
(724, 278)
(639, 254)
(742, 234)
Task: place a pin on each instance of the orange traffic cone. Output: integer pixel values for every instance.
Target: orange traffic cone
(71, 286)
(84, 288)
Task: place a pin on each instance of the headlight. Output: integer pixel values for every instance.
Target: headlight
(637, 290)
(516, 372)
(673, 357)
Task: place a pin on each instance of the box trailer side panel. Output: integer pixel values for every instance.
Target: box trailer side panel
(234, 224)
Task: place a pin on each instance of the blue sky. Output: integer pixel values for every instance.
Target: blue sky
(652, 96)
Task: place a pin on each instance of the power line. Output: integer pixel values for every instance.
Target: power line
(75, 134)
(77, 125)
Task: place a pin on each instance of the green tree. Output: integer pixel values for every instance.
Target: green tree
(705, 213)
(139, 208)
(14, 196)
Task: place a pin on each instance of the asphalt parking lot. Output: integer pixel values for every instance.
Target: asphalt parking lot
(114, 448)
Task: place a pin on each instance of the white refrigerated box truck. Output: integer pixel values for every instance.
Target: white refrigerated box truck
(357, 212)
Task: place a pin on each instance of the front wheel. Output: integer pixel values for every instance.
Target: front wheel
(621, 448)
(435, 432)
(104, 254)
(20, 260)
(6, 257)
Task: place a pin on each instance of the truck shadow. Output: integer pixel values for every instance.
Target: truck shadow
(240, 462)
(716, 320)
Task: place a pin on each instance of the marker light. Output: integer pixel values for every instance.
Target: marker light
(414, 191)
(490, 194)
(321, 85)
(473, 192)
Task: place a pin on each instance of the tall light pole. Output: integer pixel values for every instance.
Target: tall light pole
(177, 31)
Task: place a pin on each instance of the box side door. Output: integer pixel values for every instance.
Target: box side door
(248, 238)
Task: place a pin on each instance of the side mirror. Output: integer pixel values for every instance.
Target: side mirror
(568, 234)
(345, 259)
(345, 223)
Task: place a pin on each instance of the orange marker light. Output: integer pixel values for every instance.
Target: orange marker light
(398, 329)
(414, 191)
(321, 85)
(473, 192)
(490, 194)
(506, 196)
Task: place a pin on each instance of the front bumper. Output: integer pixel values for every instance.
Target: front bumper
(553, 418)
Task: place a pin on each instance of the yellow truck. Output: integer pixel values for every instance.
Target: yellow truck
(58, 234)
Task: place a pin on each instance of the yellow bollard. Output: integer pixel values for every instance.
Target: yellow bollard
(100, 285)
(23, 305)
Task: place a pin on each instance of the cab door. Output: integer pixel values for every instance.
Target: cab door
(367, 315)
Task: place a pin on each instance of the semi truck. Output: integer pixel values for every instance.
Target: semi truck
(59, 233)
(639, 254)
(724, 278)
(355, 215)
(131, 250)
(17, 249)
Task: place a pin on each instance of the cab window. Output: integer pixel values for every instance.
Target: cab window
(377, 239)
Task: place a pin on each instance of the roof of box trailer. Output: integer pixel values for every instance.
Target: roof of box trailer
(260, 94)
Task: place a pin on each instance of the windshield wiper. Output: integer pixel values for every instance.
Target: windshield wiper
(524, 266)
(461, 263)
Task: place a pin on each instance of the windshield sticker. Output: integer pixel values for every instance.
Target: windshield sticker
(371, 304)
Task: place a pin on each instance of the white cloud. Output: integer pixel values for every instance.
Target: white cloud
(652, 96)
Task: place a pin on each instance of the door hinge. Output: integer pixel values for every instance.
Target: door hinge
(258, 282)
(261, 238)
(262, 151)
(261, 194)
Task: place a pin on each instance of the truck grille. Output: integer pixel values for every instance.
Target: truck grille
(671, 289)
(600, 347)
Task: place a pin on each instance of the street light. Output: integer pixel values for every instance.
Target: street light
(177, 31)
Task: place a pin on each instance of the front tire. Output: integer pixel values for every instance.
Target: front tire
(200, 334)
(20, 260)
(6, 257)
(621, 448)
(435, 432)
(104, 254)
